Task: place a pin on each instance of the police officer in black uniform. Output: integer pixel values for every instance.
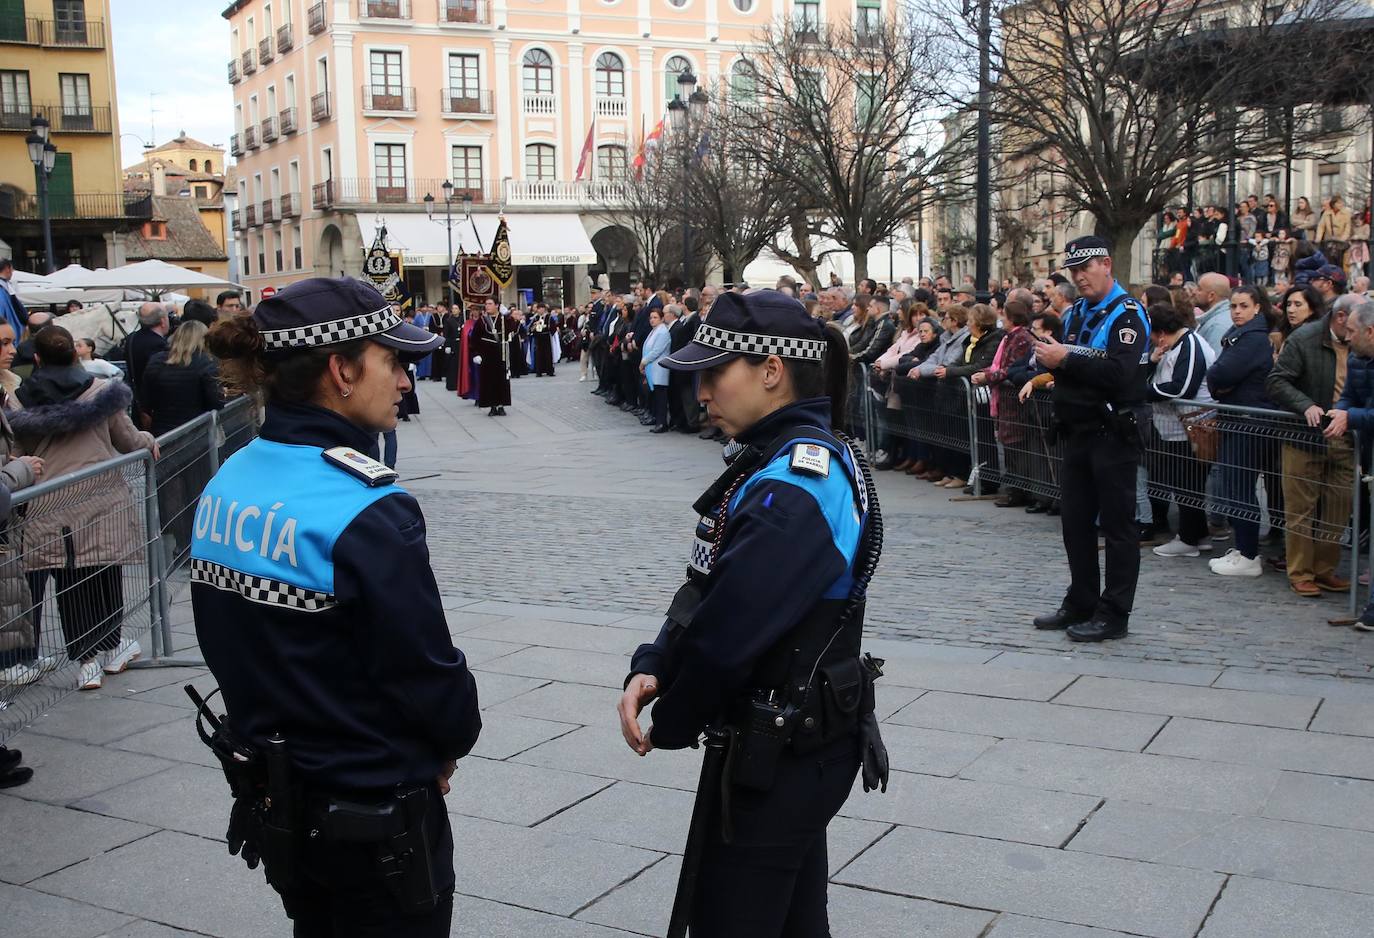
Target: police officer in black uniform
(761, 644)
(1100, 414)
(319, 615)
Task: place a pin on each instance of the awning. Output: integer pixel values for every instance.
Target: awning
(535, 240)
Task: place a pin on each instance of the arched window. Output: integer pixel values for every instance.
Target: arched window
(539, 162)
(610, 75)
(208, 168)
(537, 72)
(743, 80)
(610, 161)
(193, 166)
(674, 67)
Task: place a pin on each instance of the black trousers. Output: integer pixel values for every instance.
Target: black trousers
(658, 405)
(1098, 479)
(90, 603)
(342, 896)
(770, 880)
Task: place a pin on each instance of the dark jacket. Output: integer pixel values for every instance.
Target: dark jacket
(174, 394)
(980, 358)
(914, 357)
(1262, 222)
(1305, 373)
(362, 680)
(1237, 376)
(141, 347)
(1357, 399)
(869, 341)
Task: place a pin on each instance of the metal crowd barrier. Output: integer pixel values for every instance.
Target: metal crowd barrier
(91, 561)
(1267, 467)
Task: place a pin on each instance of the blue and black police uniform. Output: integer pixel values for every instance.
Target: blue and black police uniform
(761, 625)
(319, 615)
(1100, 415)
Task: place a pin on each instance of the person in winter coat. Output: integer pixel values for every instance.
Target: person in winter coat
(905, 341)
(181, 383)
(1006, 410)
(1237, 378)
(20, 662)
(873, 333)
(1355, 410)
(655, 375)
(83, 536)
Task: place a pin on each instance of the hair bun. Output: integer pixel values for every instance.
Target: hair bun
(236, 338)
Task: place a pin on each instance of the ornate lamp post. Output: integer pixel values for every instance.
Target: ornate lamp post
(43, 155)
(686, 111)
(448, 227)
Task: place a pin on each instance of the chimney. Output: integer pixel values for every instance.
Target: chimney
(159, 179)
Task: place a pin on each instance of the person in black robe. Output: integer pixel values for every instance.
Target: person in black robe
(542, 330)
(489, 345)
(453, 326)
(437, 359)
(517, 330)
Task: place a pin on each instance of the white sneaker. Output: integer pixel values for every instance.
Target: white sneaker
(1234, 563)
(91, 678)
(19, 674)
(583, 378)
(117, 660)
(1177, 548)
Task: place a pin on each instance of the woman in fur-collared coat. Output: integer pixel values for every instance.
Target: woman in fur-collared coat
(85, 533)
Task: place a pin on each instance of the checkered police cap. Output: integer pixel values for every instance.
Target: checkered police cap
(1081, 250)
(762, 322)
(321, 311)
(749, 343)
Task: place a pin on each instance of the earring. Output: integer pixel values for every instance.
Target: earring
(346, 391)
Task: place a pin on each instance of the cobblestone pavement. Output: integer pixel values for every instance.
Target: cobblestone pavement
(569, 485)
(1077, 794)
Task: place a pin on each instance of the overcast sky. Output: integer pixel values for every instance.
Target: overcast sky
(178, 52)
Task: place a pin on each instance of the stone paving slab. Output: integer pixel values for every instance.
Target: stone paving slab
(1019, 926)
(516, 793)
(1143, 898)
(42, 838)
(540, 869)
(178, 880)
(562, 664)
(585, 704)
(1252, 908)
(1206, 703)
(1108, 667)
(961, 806)
(1054, 723)
(600, 751)
(1345, 717)
(87, 719)
(1322, 799)
(492, 687)
(984, 680)
(482, 918)
(611, 640)
(1303, 854)
(187, 798)
(27, 912)
(71, 771)
(932, 752)
(505, 734)
(1149, 779)
(175, 740)
(1261, 745)
(626, 813)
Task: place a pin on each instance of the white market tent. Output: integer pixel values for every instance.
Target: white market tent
(152, 276)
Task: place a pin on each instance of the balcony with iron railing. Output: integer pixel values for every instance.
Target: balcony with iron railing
(466, 102)
(268, 209)
(249, 61)
(235, 145)
(269, 129)
(21, 30)
(530, 193)
(391, 99)
(385, 9)
(61, 119)
(322, 194)
(87, 206)
(612, 106)
(287, 120)
(286, 37)
(233, 71)
(234, 218)
(315, 20)
(541, 104)
(464, 13)
(319, 107)
(250, 216)
(73, 34)
(267, 50)
(290, 205)
(250, 138)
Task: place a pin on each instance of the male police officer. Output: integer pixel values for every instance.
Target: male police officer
(1099, 395)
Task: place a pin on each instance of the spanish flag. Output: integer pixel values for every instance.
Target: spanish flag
(650, 142)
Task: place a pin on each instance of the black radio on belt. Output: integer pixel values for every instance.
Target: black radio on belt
(765, 731)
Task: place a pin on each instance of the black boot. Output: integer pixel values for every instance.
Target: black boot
(1096, 631)
(492, 412)
(1061, 618)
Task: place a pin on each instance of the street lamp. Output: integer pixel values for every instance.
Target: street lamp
(448, 228)
(684, 111)
(43, 156)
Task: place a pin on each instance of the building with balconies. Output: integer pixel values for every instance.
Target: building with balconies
(187, 169)
(56, 64)
(391, 98)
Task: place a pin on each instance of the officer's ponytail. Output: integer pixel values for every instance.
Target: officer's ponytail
(827, 378)
(286, 377)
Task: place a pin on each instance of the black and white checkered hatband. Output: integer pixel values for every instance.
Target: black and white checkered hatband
(750, 343)
(332, 332)
(1084, 254)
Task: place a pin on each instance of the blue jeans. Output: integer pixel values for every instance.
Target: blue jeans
(1239, 465)
(389, 448)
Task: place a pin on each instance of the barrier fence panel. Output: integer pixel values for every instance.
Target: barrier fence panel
(1017, 447)
(88, 561)
(932, 423)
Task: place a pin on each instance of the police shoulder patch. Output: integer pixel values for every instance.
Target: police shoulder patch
(812, 459)
(1127, 336)
(368, 470)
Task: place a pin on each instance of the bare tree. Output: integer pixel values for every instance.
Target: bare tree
(646, 200)
(1113, 106)
(841, 114)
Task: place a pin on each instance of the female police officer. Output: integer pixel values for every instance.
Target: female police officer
(318, 613)
(762, 642)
